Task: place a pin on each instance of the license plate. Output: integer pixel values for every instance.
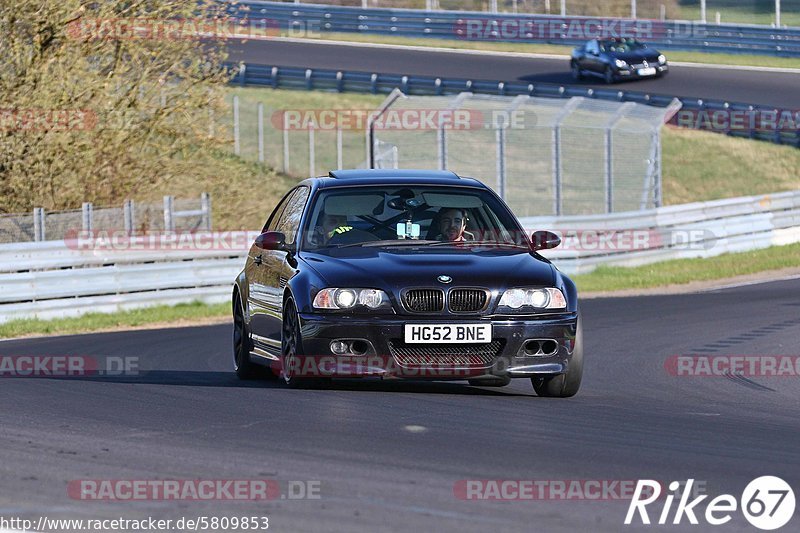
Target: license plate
(650, 71)
(448, 333)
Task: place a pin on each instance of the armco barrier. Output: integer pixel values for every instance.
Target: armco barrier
(702, 229)
(373, 82)
(58, 278)
(53, 279)
(551, 29)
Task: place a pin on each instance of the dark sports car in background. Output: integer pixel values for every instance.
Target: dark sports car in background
(404, 274)
(617, 59)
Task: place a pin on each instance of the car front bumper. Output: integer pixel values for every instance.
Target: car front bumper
(634, 73)
(386, 355)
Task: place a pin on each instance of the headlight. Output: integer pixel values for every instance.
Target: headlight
(335, 298)
(620, 63)
(662, 59)
(538, 299)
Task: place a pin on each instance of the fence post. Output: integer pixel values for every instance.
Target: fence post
(777, 13)
(312, 170)
(260, 132)
(557, 159)
(633, 9)
(703, 11)
(285, 144)
(127, 213)
(441, 144)
(500, 142)
(493, 6)
(205, 207)
(563, 8)
(38, 224)
(658, 190)
(608, 144)
(339, 154)
(86, 216)
(236, 146)
(663, 12)
(169, 223)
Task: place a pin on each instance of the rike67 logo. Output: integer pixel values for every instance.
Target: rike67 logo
(767, 503)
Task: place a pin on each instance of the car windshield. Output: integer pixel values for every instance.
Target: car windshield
(623, 45)
(402, 216)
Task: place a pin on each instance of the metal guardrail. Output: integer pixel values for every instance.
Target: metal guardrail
(669, 35)
(54, 279)
(703, 229)
(378, 83)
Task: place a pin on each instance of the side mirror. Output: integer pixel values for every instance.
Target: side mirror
(271, 240)
(544, 240)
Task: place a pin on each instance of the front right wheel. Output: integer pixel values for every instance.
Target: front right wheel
(242, 343)
(577, 75)
(566, 384)
(292, 351)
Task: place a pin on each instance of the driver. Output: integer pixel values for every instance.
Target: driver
(331, 225)
(453, 225)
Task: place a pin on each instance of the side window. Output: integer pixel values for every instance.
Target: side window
(289, 221)
(272, 221)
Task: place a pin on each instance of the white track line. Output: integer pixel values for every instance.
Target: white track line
(527, 55)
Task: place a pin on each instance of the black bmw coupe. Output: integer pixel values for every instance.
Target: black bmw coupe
(617, 59)
(404, 274)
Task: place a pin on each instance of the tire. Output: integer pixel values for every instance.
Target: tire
(498, 382)
(567, 384)
(242, 344)
(577, 74)
(608, 75)
(292, 347)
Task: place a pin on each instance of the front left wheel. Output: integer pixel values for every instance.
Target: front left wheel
(566, 384)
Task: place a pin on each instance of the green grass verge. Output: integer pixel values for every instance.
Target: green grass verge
(530, 48)
(161, 315)
(682, 271)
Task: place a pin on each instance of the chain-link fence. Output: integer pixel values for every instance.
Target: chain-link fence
(182, 214)
(298, 142)
(543, 156)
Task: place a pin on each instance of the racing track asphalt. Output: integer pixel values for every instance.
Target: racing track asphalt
(388, 454)
(779, 89)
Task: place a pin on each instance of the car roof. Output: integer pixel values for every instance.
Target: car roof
(349, 178)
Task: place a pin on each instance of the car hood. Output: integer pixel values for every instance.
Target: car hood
(651, 56)
(397, 268)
